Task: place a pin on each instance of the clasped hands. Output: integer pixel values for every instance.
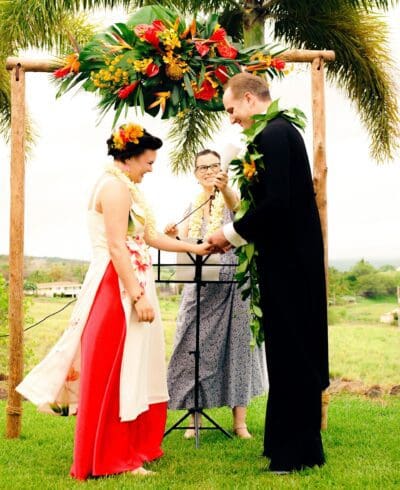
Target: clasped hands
(218, 242)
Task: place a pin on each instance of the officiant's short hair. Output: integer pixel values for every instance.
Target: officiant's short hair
(246, 82)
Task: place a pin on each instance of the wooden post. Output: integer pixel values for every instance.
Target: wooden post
(320, 171)
(16, 310)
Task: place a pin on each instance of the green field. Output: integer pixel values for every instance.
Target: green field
(361, 348)
(361, 442)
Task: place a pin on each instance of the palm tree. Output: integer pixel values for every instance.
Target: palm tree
(41, 24)
(354, 29)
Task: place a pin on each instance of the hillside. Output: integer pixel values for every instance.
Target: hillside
(48, 269)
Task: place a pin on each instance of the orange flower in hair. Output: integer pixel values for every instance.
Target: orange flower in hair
(127, 133)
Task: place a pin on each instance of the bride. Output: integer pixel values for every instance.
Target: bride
(109, 365)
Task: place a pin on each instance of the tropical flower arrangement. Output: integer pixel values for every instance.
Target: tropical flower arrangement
(158, 61)
(245, 172)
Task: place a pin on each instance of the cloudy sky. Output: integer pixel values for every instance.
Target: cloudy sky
(364, 198)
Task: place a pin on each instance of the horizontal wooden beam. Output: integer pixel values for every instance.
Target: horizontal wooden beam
(306, 56)
(293, 55)
(31, 64)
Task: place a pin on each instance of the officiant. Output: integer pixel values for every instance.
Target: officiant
(230, 372)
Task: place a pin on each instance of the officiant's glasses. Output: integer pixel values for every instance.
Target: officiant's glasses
(202, 169)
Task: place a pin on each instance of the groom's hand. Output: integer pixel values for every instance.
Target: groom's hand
(218, 240)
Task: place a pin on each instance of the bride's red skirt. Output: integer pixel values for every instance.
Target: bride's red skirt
(103, 444)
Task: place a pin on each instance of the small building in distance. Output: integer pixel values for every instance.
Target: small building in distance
(64, 289)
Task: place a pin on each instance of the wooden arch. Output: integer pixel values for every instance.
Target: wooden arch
(18, 67)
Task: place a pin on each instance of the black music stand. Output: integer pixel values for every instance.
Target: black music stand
(198, 262)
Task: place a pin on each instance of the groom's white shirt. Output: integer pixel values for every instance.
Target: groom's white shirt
(232, 235)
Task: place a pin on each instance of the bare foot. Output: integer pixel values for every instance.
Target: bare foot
(242, 432)
(142, 471)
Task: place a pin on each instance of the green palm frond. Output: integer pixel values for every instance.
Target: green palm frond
(194, 6)
(188, 133)
(368, 5)
(23, 28)
(5, 105)
(56, 36)
(363, 66)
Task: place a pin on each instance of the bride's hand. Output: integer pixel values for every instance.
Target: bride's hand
(203, 249)
(144, 310)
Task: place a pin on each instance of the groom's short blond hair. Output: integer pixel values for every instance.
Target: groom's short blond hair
(246, 82)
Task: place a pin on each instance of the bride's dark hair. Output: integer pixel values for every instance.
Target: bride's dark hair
(131, 146)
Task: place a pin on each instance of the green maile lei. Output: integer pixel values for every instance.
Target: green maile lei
(245, 175)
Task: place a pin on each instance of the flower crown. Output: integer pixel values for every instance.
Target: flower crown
(127, 133)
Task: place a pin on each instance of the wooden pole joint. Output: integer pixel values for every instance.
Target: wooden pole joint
(17, 68)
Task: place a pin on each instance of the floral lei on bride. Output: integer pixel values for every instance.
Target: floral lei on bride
(138, 198)
(245, 174)
(215, 219)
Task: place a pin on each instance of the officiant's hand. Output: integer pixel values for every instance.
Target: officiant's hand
(171, 230)
(218, 241)
(220, 180)
(144, 310)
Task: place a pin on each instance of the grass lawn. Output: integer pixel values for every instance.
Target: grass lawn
(362, 441)
(362, 447)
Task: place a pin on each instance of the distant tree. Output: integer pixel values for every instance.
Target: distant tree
(338, 285)
(372, 285)
(387, 267)
(30, 286)
(38, 276)
(79, 272)
(378, 284)
(362, 268)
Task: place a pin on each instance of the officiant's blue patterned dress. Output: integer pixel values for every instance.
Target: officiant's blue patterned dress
(230, 372)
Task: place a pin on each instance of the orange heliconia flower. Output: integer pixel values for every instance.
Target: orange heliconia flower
(72, 65)
(249, 169)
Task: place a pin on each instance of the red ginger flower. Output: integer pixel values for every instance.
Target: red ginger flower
(125, 92)
(152, 70)
(149, 32)
(221, 73)
(226, 50)
(219, 35)
(278, 64)
(205, 92)
(202, 47)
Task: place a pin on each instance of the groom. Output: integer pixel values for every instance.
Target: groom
(285, 228)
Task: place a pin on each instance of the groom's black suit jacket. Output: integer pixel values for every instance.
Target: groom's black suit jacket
(286, 230)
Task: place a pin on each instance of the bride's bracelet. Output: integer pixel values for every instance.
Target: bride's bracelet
(136, 298)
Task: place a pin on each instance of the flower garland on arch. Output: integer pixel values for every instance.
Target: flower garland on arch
(159, 60)
(215, 219)
(245, 174)
(138, 198)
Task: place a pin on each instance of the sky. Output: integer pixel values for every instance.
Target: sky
(363, 197)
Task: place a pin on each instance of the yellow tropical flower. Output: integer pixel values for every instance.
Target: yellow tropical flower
(249, 169)
(161, 100)
(141, 65)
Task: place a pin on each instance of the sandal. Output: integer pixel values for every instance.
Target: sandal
(242, 432)
(142, 472)
(189, 433)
